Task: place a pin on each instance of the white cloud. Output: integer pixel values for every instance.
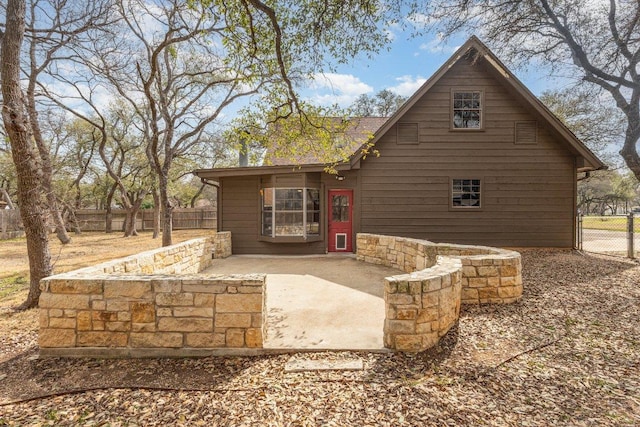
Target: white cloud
(391, 36)
(438, 45)
(341, 89)
(407, 85)
(420, 20)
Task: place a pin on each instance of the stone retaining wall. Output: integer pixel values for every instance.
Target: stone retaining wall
(187, 257)
(150, 302)
(489, 275)
(142, 312)
(423, 305)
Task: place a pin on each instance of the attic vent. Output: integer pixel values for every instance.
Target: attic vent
(407, 133)
(526, 132)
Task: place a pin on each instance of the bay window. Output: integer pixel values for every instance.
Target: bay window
(290, 212)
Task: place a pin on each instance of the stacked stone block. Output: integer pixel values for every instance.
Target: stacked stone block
(489, 275)
(422, 306)
(187, 257)
(402, 253)
(476, 275)
(159, 312)
(222, 244)
(153, 300)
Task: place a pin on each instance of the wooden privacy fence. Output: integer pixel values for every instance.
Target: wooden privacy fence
(183, 218)
(10, 224)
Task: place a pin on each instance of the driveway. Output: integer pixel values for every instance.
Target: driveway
(606, 241)
(327, 302)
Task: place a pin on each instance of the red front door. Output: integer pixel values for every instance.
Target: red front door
(340, 220)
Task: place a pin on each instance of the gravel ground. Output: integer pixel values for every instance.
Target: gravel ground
(568, 354)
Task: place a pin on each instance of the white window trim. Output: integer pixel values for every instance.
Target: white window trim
(481, 109)
(273, 212)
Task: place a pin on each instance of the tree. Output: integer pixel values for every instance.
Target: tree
(24, 152)
(7, 169)
(607, 191)
(76, 145)
(52, 26)
(196, 61)
(596, 41)
(597, 123)
(383, 104)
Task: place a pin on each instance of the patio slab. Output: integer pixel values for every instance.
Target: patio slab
(315, 303)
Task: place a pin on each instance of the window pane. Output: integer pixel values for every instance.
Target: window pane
(267, 209)
(465, 193)
(289, 224)
(313, 223)
(288, 199)
(290, 211)
(467, 110)
(267, 226)
(313, 199)
(340, 208)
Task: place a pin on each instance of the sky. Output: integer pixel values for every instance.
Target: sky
(403, 68)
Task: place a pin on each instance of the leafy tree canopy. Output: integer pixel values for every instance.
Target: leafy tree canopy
(382, 104)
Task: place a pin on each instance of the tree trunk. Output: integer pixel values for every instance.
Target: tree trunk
(194, 199)
(108, 217)
(130, 223)
(72, 218)
(167, 211)
(156, 214)
(7, 199)
(47, 172)
(629, 150)
(130, 229)
(25, 155)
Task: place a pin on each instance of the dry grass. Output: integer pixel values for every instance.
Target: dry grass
(610, 223)
(84, 250)
(568, 354)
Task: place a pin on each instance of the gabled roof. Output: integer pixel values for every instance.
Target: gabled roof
(379, 126)
(475, 47)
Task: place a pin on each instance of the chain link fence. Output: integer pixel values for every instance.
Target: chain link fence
(612, 235)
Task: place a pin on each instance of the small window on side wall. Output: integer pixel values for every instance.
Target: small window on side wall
(466, 109)
(466, 193)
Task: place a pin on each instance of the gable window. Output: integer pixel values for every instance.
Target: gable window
(465, 193)
(290, 212)
(467, 109)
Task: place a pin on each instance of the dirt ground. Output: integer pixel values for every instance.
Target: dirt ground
(568, 354)
(84, 250)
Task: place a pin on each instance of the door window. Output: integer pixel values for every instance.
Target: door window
(340, 208)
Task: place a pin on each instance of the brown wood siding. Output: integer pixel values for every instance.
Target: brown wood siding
(240, 214)
(527, 189)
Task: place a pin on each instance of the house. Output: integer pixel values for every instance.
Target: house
(473, 157)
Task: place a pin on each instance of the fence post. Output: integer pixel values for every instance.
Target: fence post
(630, 249)
(579, 231)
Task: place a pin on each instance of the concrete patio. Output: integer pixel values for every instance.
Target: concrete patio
(326, 302)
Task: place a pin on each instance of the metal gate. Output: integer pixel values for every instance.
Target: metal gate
(611, 234)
